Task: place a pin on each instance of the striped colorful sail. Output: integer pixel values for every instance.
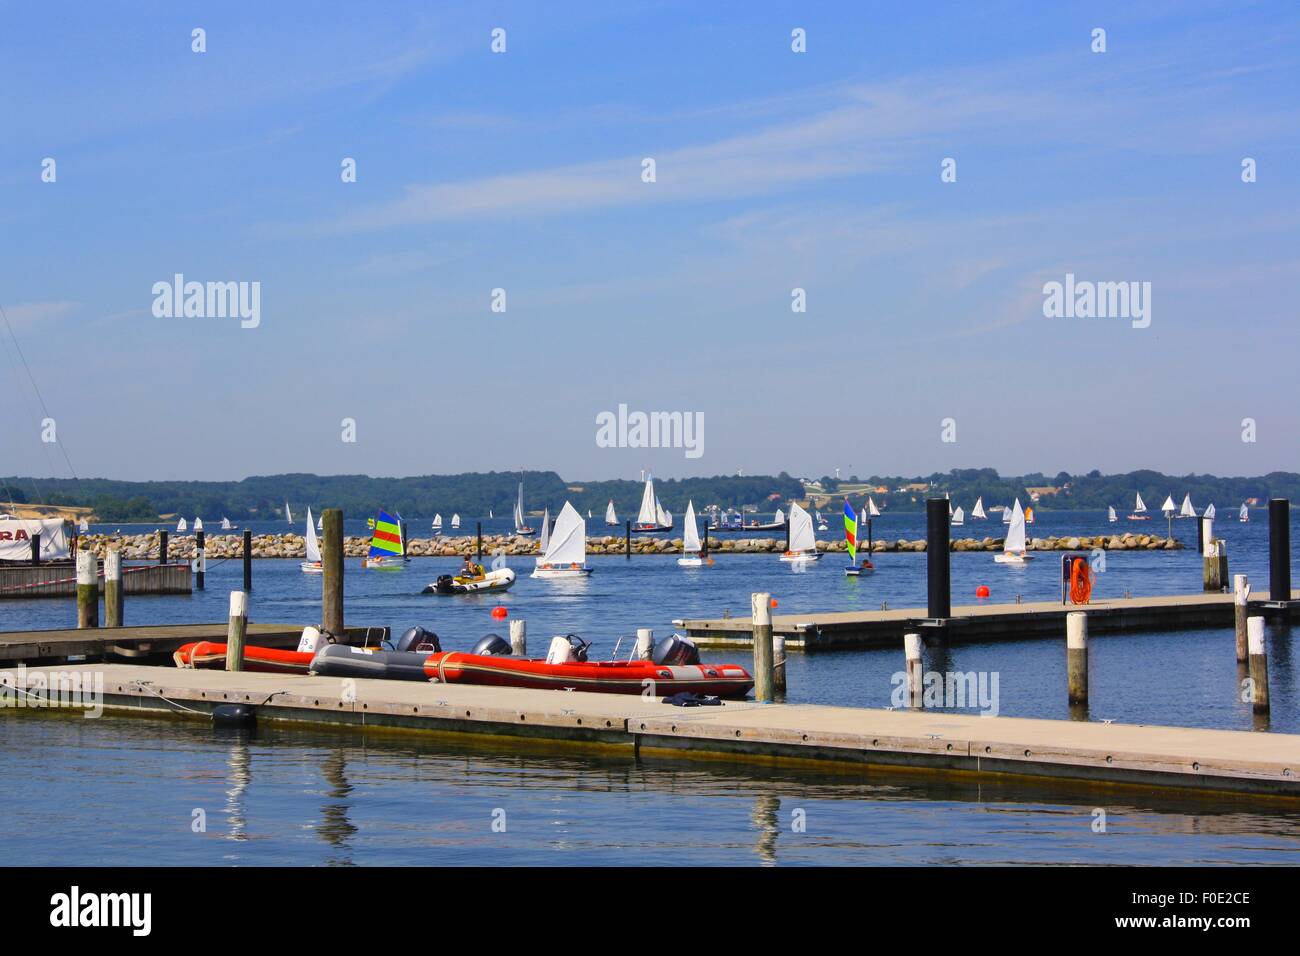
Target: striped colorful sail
(387, 538)
(851, 531)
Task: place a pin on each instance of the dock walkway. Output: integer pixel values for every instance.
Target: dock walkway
(1086, 752)
(972, 622)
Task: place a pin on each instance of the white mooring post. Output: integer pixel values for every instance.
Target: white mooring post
(1076, 655)
(1240, 597)
(1258, 662)
(915, 678)
(645, 643)
(519, 638)
(236, 629)
(762, 640)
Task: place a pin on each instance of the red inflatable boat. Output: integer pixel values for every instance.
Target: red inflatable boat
(210, 654)
(607, 677)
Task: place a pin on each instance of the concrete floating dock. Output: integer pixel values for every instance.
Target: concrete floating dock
(975, 622)
(154, 643)
(60, 580)
(1088, 753)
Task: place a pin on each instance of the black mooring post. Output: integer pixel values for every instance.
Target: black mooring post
(787, 532)
(706, 539)
(1279, 549)
(627, 538)
(938, 577)
(478, 533)
(248, 560)
(36, 548)
(162, 547)
(199, 560)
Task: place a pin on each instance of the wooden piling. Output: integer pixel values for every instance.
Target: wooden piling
(1240, 597)
(236, 630)
(762, 640)
(1076, 656)
(248, 561)
(1258, 663)
(113, 589)
(645, 644)
(478, 535)
(162, 547)
(200, 560)
(778, 663)
(519, 638)
(1214, 572)
(332, 568)
(915, 675)
(87, 589)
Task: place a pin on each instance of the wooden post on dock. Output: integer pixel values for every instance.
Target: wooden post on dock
(248, 561)
(762, 640)
(113, 588)
(36, 548)
(1214, 565)
(162, 547)
(627, 538)
(1240, 597)
(200, 560)
(87, 589)
(915, 677)
(332, 568)
(778, 664)
(1279, 549)
(519, 638)
(938, 558)
(645, 644)
(236, 630)
(1258, 663)
(704, 553)
(1076, 656)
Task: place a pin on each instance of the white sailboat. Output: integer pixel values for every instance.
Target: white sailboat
(1006, 514)
(546, 531)
(198, 524)
(958, 518)
(1209, 512)
(588, 514)
(225, 524)
(872, 510)
(521, 527)
(455, 521)
(610, 517)
(288, 515)
(566, 551)
(320, 522)
(691, 541)
(803, 541)
(490, 515)
(1110, 514)
(1139, 509)
(650, 516)
(1244, 514)
(182, 525)
(1187, 511)
(663, 516)
(977, 513)
(313, 563)
(1013, 549)
(83, 526)
(437, 523)
(821, 523)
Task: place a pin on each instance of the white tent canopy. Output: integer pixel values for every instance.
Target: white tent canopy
(16, 539)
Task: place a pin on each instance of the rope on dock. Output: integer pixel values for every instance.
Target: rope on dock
(148, 685)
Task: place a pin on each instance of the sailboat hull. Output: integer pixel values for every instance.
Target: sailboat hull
(311, 567)
(792, 557)
(690, 562)
(1009, 558)
(384, 564)
(569, 572)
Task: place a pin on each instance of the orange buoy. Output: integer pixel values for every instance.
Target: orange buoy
(499, 612)
(982, 591)
(774, 602)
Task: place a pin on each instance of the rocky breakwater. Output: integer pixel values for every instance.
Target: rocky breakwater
(143, 547)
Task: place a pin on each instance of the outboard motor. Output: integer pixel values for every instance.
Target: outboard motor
(418, 639)
(492, 645)
(675, 650)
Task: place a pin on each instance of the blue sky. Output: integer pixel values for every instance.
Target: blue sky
(775, 170)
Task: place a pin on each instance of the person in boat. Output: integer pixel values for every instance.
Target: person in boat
(471, 570)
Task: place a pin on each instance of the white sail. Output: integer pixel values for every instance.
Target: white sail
(802, 537)
(1210, 512)
(588, 514)
(1016, 532)
(610, 516)
(455, 520)
(872, 510)
(198, 524)
(568, 542)
(1244, 514)
(1139, 505)
(647, 516)
(84, 525)
(780, 516)
(320, 522)
(313, 547)
(1110, 514)
(437, 522)
(662, 518)
(691, 535)
(182, 525)
(546, 530)
(225, 524)
(958, 516)
(978, 510)
(1187, 511)
(288, 515)
(1168, 506)
(519, 508)
(1006, 515)
(490, 515)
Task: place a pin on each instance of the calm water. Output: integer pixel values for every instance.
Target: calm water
(296, 797)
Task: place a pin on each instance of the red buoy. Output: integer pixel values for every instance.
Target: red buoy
(982, 591)
(499, 612)
(774, 602)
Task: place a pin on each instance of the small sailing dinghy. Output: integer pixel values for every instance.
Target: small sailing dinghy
(1110, 514)
(958, 518)
(691, 547)
(1244, 514)
(821, 523)
(1006, 514)
(651, 517)
(1187, 511)
(977, 513)
(851, 526)
(1029, 515)
(83, 526)
(1139, 510)
(198, 524)
(803, 541)
(313, 563)
(320, 522)
(182, 525)
(226, 525)
(521, 527)
(1013, 549)
(387, 549)
(437, 523)
(566, 551)
(545, 538)
(611, 518)
(288, 515)
(455, 522)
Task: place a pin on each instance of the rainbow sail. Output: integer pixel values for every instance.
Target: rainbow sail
(851, 531)
(387, 538)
